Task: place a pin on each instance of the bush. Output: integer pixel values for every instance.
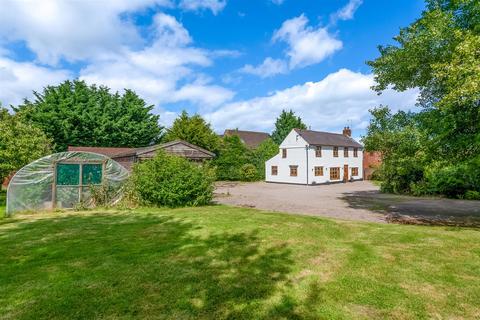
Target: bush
(233, 155)
(472, 195)
(248, 172)
(172, 181)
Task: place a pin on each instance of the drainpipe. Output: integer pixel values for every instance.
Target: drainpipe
(306, 154)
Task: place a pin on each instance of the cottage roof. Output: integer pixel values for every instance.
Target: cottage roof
(252, 139)
(327, 138)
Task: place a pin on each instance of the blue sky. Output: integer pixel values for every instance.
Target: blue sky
(236, 62)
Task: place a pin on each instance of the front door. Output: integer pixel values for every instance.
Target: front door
(345, 173)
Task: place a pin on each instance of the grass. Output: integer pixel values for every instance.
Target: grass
(221, 262)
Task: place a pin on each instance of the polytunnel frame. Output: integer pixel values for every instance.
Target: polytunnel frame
(104, 160)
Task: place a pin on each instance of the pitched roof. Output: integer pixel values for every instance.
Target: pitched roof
(327, 138)
(139, 151)
(125, 152)
(107, 151)
(251, 138)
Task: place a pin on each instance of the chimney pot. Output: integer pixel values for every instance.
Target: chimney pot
(347, 132)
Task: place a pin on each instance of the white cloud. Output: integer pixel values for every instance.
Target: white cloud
(156, 71)
(73, 30)
(196, 5)
(347, 12)
(270, 67)
(19, 79)
(307, 45)
(340, 98)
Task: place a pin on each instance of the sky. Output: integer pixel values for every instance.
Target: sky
(238, 63)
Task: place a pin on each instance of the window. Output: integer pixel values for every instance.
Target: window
(335, 151)
(318, 171)
(345, 152)
(68, 174)
(284, 153)
(318, 151)
(91, 174)
(335, 173)
(293, 171)
(354, 171)
(274, 170)
(355, 152)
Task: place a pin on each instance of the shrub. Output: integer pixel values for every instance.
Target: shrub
(248, 172)
(472, 195)
(233, 155)
(168, 180)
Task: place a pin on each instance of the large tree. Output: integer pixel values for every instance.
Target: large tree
(193, 129)
(439, 54)
(74, 113)
(20, 143)
(285, 122)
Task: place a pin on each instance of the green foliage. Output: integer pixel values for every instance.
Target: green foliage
(193, 129)
(20, 143)
(472, 195)
(232, 156)
(172, 181)
(284, 124)
(439, 54)
(248, 172)
(74, 113)
(266, 150)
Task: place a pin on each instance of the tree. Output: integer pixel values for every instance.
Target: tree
(233, 155)
(266, 150)
(193, 129)
(438, 54)
(20, 143)
(74, 113)
(284, 124)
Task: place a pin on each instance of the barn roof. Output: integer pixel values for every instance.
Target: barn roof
(106, 151)
(327, 138)
(251, 138)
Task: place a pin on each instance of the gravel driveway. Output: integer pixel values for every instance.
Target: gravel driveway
(319, 200)
(359, 200)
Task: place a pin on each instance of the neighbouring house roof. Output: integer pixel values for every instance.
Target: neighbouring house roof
(106, 151)
(327, 138)
(252, 139)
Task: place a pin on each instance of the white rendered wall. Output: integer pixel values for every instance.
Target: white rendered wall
(327, 160)
(297, 155)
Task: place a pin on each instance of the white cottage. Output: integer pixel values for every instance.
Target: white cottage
(314, 157)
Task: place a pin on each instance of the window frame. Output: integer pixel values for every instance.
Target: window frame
(284, 153)
(335, 152)
(354, 171)
(293, 170)
(345, 152)
(318, 171)
(274, 170)
(355, 152)
(335, 176)
(318, 151)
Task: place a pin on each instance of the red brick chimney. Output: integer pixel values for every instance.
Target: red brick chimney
(347, 131)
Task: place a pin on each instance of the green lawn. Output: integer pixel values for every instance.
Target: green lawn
(220, 262)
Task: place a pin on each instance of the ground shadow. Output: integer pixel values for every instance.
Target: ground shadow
(142, 266)
(417, 210)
